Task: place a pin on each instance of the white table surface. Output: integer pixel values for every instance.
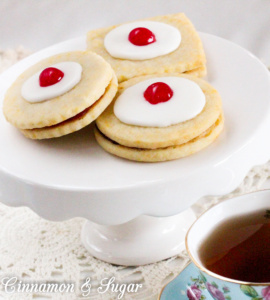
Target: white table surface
(37, 24)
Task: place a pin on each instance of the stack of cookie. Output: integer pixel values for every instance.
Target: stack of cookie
(160, 111)
(135, 129)
(60, 95)
(175, 47)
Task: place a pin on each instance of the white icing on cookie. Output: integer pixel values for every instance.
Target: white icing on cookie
(187, 102)
(168, 39)
(33, 92)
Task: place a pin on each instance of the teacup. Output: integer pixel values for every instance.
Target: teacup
(219, 287)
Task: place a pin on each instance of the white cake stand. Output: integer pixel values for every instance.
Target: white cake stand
(138, 212)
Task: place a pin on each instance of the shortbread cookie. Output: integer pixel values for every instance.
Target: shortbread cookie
(77, 122)
(151, 137)
(84, 86)
(162, 154)
(160, 118)
(199, 72)
(163, 44)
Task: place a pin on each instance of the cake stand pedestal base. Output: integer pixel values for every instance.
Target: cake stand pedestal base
(141, 241)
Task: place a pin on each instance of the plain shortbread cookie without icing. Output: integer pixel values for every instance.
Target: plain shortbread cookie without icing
(162, 154)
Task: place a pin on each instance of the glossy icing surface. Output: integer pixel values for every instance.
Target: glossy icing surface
(117, 43)
(33, 92)
(187, 101)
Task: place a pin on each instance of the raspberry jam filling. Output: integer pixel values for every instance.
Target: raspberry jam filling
(141, 36)
(50, 76)
(158, 92)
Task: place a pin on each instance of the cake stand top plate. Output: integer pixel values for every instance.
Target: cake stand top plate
(75, 164)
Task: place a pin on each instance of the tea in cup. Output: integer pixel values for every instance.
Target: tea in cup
(230, 245)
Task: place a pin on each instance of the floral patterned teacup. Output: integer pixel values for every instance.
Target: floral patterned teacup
(219, 287)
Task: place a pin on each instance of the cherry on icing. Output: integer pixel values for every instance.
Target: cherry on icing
(158, 92)
(50, 76)
(141, 36)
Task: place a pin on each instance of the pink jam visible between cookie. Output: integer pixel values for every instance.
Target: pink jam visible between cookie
(141, 36)
(158, 92)
(52, 82)
(50, 76)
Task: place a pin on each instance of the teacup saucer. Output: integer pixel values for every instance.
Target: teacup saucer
(187, 283)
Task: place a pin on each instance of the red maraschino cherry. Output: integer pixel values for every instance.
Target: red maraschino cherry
(141, 36)
(158, 92)
(50, 76)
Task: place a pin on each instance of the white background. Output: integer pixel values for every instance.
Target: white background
(36, 24)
